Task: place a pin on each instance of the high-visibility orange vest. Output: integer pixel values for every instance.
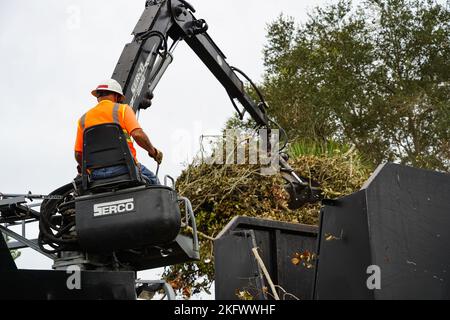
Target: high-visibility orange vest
(107, 112)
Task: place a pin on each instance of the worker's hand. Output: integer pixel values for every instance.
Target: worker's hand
(158, 156)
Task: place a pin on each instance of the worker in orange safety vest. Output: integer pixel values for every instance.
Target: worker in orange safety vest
(110, 110)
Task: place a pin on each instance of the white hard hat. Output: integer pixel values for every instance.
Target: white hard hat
(108, 85)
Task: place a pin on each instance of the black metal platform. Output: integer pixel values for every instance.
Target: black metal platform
(181, 250)
(400, 222)
(16, 284)
(52, 285)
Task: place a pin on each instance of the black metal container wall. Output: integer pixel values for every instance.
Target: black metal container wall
(400, 223)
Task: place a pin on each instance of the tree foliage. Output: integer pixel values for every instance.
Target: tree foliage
(221, 192)
(376, 75)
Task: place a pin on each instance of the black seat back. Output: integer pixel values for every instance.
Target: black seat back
(105, 145)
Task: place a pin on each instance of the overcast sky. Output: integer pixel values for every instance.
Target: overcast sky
(53, 53)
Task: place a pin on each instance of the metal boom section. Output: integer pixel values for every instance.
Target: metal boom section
(144, 60)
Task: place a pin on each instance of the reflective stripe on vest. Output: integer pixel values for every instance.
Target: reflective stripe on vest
(115, 116)
(83, 122)
(116, 113)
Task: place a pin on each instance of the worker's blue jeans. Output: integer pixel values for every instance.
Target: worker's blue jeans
(115, 171)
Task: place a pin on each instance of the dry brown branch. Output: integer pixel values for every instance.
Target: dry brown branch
(201, 234)
(266, 273)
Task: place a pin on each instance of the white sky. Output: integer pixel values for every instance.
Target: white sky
(53, 53)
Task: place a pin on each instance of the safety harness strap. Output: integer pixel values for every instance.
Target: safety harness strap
(116, 113)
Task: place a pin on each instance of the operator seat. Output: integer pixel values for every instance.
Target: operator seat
(105, 145)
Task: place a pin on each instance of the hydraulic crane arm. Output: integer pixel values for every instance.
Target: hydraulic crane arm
(145, 59)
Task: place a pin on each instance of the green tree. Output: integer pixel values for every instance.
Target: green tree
(376, 75)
